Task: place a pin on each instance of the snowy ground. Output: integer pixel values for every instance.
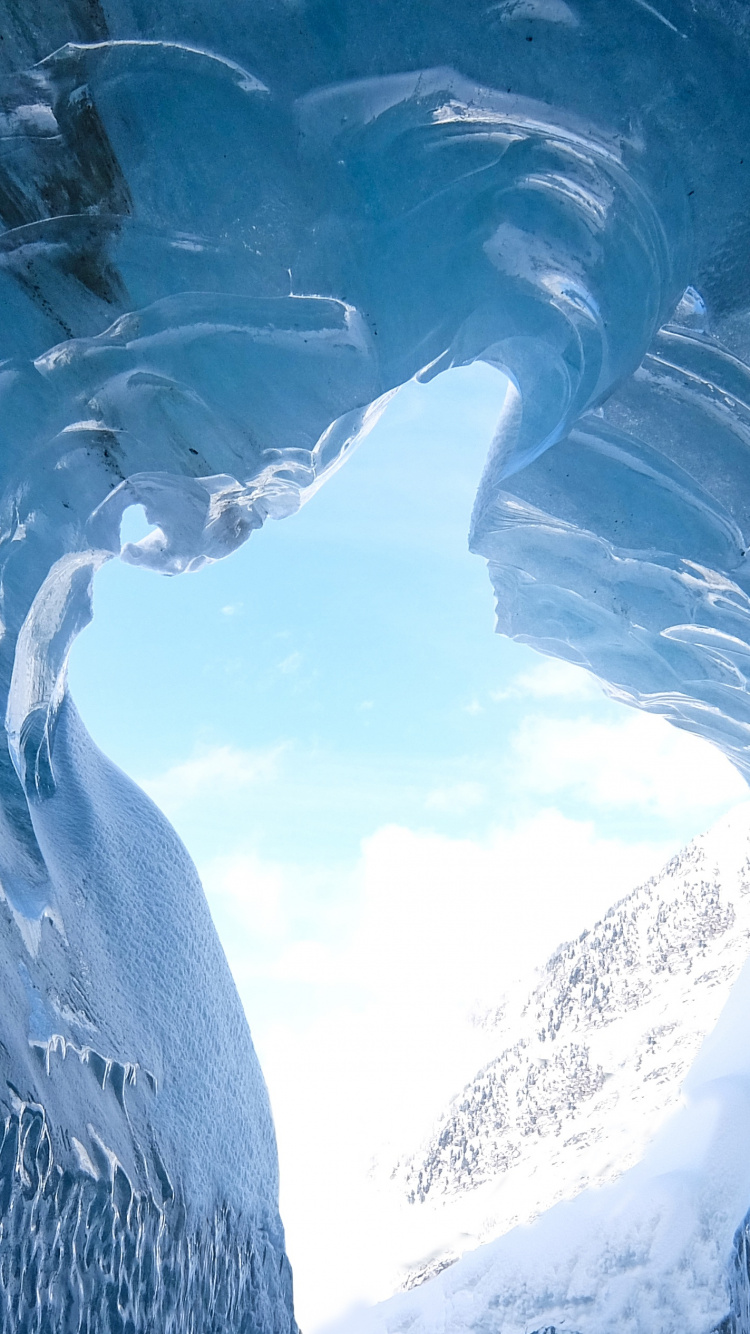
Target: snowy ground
(583, 1119)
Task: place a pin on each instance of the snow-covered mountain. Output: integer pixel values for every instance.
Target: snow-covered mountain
(586, 1065)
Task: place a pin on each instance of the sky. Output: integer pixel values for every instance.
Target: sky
(394, 811)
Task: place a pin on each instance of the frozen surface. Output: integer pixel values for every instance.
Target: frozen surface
(229, 232)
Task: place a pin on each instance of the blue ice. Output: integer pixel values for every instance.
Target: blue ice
(230, 233)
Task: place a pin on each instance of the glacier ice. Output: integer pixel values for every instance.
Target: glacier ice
(229, 234)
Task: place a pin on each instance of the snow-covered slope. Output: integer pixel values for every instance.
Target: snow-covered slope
(592, 1059)
(589, 1067)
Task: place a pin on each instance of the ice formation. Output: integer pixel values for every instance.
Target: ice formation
(230, 231)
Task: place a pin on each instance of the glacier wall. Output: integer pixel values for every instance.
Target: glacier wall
(229, 234)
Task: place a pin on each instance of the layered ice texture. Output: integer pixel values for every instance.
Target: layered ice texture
(229, 232)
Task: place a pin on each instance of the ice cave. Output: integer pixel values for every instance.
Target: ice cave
(230, 233)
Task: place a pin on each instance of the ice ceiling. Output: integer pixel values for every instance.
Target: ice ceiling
(230, 232)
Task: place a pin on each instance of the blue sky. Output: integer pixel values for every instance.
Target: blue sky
(392, 808)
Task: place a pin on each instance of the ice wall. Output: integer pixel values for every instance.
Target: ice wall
(229, 232)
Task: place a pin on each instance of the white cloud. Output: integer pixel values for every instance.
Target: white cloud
(457, 798)
(473, 708)
(641, 761)
(231, 609)
(277, 922)
(432, 920)
(212, 772)
(291, 664)
(446, 918)
(552, 678)
(248, 899)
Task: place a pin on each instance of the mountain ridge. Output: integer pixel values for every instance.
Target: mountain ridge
(590, 1062)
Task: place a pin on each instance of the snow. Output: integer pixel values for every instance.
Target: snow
(587, 1178)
